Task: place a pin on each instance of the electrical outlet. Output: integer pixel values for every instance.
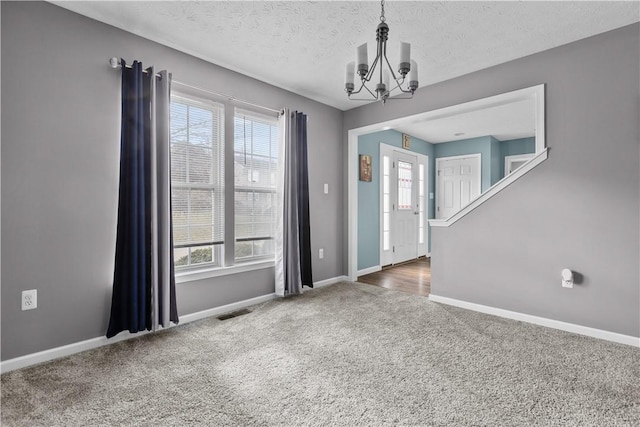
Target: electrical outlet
(321, 253)
(29, 299)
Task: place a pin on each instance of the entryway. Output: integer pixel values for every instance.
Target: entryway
(412, 277)
(403, 205)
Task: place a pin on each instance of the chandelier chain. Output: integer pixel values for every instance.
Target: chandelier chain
(382, 18)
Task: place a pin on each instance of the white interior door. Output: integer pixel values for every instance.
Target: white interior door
(405, 209)
(457, 183)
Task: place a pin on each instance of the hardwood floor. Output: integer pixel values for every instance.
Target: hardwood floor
(413, 277)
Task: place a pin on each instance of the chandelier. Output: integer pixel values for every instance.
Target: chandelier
(387, 81)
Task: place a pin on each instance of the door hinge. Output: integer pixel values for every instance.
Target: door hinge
(438, 173)
(438, 208)
(394, 249)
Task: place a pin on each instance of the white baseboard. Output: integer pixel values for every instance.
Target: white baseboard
(542, 321)
(223, 309)
(330, 281)
(369, 270)
(67, 350)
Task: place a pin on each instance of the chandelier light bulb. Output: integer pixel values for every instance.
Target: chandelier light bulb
(413, 76)
(349, 77)
(363, 61)
(405, 58)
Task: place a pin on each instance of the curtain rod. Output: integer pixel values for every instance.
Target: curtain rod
(116, 63)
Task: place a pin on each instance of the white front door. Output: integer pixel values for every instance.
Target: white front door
(457, 183)
(389, 201)
(405, 235)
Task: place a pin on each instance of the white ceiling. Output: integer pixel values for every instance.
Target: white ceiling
(504, 122)
(303, 46)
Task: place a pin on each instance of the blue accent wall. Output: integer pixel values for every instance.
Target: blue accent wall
(482, 145)
(369, 192)
(497, 159)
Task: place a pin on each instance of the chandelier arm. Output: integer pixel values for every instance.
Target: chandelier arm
(375, 96)
(382, 51)
(363, 85)
(398, 84)
(401, 97)
(367, 78)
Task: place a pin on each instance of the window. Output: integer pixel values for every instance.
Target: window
(199, 196)
(421, 205)
(255, 149)
(405, 182)
(197, 181)
(386, 205)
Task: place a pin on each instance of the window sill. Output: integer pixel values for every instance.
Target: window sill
(207, 273)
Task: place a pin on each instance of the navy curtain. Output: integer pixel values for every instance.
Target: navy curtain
(299, 124)
(293, 236)
(144, 283)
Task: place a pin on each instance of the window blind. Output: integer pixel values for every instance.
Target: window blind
(197, 178)
(256, 139)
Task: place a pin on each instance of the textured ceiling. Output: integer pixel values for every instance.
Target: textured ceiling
(304, 46)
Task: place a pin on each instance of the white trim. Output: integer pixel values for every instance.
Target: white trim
(234, 306)
(492, 191)
(537, 92)
(352, 205)
(461, 157)
(369, 270)
(65, 350)
(80, 346)
(330, 281)
(515, 158)
(207, 273)
(541, 321)
(386, 256)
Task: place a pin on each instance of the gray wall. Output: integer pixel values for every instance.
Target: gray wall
(60, 159)
(579, 209)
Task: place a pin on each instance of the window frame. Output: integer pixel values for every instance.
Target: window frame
(217, 182)
(264, 119)
(224, 252)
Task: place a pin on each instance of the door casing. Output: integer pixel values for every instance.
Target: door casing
(386, 255)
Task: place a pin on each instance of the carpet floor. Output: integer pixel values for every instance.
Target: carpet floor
(345, 355)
